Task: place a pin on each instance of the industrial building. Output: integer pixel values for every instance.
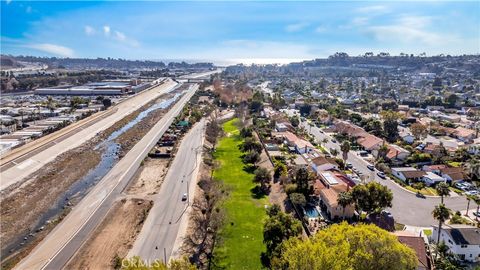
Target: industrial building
(94, 89)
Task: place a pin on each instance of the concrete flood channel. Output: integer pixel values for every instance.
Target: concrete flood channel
(109, 157)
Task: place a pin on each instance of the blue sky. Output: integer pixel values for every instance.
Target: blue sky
(255, 31)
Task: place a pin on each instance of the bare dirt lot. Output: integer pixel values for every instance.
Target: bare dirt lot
(114, 236)
(149, 177)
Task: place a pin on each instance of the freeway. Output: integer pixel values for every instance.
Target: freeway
(407, 208)
(29, 163)
(67, 237)
(162, 231)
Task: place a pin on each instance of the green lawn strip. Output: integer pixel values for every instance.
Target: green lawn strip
(242, 239)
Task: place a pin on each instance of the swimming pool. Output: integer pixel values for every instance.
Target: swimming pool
(311, 211)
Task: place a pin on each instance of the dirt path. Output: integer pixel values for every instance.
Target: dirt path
(114, 236)
(149, 178)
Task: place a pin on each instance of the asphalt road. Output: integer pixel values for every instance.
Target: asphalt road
(35, 161)
(407, 208)
(67, 237)
(166, 222)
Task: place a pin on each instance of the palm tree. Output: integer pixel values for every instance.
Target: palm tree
(469, 198)
(474, 168)
(344, 199)
(440, 213)
(345, 148)
(476, 199)
(443, 190)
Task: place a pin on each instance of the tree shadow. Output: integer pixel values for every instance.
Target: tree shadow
(258, 192)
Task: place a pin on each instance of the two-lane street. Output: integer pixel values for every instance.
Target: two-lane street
(168, 217)
(407, 208)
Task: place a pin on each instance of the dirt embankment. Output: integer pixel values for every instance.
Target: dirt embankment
(149, 177)
(114, 237)
(21, 210)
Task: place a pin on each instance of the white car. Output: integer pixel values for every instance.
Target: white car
(184, 197)
(472, 192)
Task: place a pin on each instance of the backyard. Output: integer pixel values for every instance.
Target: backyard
(242, 240)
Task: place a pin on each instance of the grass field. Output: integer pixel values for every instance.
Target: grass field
(242, 239)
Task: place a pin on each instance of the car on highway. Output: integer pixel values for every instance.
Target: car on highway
(381, 175)
(371, 167)
(184, 197)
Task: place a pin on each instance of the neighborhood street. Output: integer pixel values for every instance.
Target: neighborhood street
(407, 207)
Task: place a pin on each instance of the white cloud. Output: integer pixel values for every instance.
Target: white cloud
(52, 49)
(296, 27)
(409, 29)
(89, 31)
(254, 51)
(358, 21)
(106, 30)
(377, 9)
(120, 36)
(321, 29)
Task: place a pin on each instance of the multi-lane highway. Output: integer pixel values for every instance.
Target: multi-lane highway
(60, 245)
(28, 163)
(407, 207)
(166, 223)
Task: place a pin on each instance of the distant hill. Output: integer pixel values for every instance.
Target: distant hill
(103, 63)
(9, 62)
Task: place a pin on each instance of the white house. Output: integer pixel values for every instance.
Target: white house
(407, 174)
(320, 164)
(431, 179)
(462, 240)
(281, 127)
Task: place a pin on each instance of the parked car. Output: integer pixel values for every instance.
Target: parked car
(334, 141)
(420, 195)
(371, 167)
(348, 165)
(184, 197)
(381, 175)
(477, 214)
(472, 192)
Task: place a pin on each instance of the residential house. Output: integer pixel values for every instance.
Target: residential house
(417, 243)
(281, 127)
(397, 152)
(474, 147)
(321, 163)
(301, 146)
(407, 174)
(462, 240)
(327, 188)
(452, 174)
(433, 168)
(370, 142)
(431, 179)
(464, 134)
(407, 137)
